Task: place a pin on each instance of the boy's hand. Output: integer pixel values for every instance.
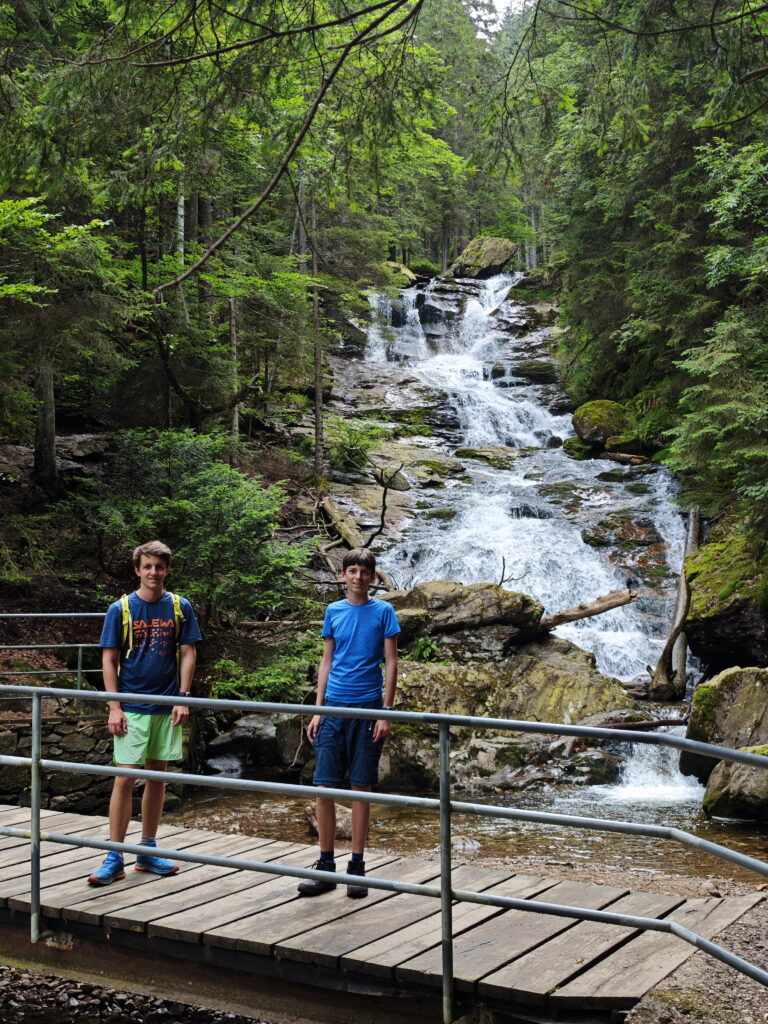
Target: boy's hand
(314, 725)
(382, 728)
(179, 714)
(117, 724)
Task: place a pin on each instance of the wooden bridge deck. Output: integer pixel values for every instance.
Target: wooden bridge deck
(545, 966)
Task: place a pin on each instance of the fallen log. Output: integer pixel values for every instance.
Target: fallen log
(624, 458)
(656, 723)
(586, 609)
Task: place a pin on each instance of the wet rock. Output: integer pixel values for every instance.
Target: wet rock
(579, 450)
(537, 371)
(594, 422)
(732, 710)
(620, 531)
(496, 456)
(483, 258)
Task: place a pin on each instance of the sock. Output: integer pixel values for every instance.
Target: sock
(328, 855)
(357, 858)
(148, 841)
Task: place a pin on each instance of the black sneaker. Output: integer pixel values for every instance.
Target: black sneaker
(316, 886)
(356, 892)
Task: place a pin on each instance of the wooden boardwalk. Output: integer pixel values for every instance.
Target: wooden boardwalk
(538, 964)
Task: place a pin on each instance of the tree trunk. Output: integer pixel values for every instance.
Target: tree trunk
(318, 355)
(235, 423)
(302, 244)
(45, 472)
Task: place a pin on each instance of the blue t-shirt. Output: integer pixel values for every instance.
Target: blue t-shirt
(151, 666)
(358, 631)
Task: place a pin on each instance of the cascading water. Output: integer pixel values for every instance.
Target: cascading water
(527, 520)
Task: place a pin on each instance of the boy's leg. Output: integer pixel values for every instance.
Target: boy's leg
(164, 744)
(361, 817)
(325, 808)
(121, 806)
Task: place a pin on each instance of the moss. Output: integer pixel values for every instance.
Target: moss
(722, 569)
(762, 750)
(440, 513)
(577, 449)
(706, 699)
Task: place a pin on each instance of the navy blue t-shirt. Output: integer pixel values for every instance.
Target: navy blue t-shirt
(358, 632)
(151, 666)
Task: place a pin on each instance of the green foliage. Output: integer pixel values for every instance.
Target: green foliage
(218, 521)
(425, 650)
(721, 440)
(350, 443)
(283, 680)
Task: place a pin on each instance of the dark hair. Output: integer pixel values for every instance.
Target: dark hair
(359, 556)
(154, 548)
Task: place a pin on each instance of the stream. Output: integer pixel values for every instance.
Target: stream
(561, 530)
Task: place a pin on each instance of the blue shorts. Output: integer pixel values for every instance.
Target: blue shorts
(345, 745)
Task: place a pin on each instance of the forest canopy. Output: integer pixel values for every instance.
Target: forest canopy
(188, 189)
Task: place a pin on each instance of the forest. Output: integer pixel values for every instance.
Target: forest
(190, 190)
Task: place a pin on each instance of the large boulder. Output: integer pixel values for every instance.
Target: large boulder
(442, 606)
(548, 681)
(730, 710)
(484, 257)
(738, 790)
(727, 622)
(595, 422)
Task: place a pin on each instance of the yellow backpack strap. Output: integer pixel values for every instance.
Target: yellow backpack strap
(178, 616)
(127, 624)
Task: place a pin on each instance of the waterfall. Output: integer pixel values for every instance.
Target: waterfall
(531, 517)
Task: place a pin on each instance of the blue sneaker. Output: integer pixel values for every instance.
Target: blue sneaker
(111, 869)
(157, 865)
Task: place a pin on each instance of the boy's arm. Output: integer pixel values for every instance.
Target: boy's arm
(383, 727)
(187, 662)
(117, 723)
(322, 683)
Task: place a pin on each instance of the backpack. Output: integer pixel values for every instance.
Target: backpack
(128, 623)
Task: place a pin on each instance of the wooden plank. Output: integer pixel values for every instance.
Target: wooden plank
(490, 945)
(191, 887)
(64, 868)
(382, 956)
(331, 940)
(529, 978)
(624, 978)
(92, 905)
(64, 823)
(229, 898)
(14, 862)
(260, 932)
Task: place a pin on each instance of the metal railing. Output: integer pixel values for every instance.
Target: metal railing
(445, 805)
(79, 671)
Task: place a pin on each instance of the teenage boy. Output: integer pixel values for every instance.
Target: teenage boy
(359, 633)
(148, 646)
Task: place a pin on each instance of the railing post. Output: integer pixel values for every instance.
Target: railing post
(80, 666)
(446, 884)
(37, 716)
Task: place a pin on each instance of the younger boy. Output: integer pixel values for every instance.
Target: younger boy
(359, 633)
(148, 646)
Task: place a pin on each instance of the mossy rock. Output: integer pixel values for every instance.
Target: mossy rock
(574, 448)
(496, 456)
(730, 710)
(595, 422)
(727, 622)
(441, 513)
(484, 257)
(738, 790)
(537, 371)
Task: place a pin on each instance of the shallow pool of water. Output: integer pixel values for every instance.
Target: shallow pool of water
(414, 832)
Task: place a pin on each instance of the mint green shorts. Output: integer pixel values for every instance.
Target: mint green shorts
(149, 738)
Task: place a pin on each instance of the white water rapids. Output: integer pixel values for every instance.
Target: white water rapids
(523, 519)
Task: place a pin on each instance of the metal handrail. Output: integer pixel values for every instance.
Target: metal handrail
(445, 805)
